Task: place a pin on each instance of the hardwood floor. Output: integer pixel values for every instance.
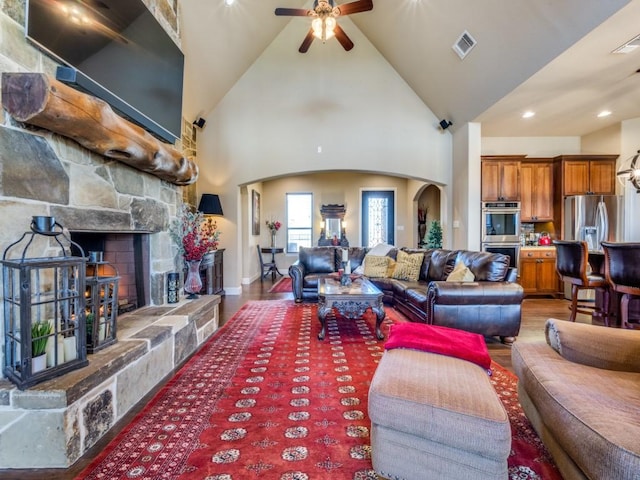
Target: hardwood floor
(535, 312)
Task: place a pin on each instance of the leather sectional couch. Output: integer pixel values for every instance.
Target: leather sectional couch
(489, 305)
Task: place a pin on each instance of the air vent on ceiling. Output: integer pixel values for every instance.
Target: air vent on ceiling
(629, 46)
(464, 44)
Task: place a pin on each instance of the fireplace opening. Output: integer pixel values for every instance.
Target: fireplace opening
(129, 254)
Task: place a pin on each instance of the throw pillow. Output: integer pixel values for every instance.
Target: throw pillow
(408, 266)
(376, 266)
(391, 267)
(379, 250)
(461, 273)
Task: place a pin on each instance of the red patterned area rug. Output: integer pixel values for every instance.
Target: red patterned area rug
(265, 399)
(282, 286)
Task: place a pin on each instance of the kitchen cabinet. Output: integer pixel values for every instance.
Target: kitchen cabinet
(537, 272)
(588, 174)
(536, 191)
(501, 179)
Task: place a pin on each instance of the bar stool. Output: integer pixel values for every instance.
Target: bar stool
(572, 260)
(622, 271)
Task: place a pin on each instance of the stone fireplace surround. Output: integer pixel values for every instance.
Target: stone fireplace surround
(53, 423)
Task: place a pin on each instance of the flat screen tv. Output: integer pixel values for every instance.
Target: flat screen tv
(115, 50)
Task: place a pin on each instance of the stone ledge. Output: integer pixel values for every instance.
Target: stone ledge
(77, 409)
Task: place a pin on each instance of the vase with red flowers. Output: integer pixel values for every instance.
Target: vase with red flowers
(195, 235)
(273, 226)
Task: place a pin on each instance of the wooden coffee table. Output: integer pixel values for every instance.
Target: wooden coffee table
(350, 301)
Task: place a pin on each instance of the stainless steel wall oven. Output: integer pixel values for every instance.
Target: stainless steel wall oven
(501, 222)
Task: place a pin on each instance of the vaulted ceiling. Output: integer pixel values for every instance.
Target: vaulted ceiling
(551, 57)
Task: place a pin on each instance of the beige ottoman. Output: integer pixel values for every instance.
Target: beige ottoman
(436, 417)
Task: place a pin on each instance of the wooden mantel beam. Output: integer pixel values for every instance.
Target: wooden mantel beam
(38, 99)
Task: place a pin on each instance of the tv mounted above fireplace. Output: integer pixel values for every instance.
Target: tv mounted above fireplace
(117, 51)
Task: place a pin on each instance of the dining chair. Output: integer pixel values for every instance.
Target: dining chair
(572, 261)
(622, 271)
(266, 267)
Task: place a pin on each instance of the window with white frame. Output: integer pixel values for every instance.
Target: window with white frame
(299, 221)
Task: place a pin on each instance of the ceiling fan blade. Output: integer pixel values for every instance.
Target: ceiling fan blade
(345, 41)
(356, 7)
(292, 12)
(306, 43)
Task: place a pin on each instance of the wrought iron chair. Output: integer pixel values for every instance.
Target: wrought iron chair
(572, 261)
(266, 267)
(622, 271)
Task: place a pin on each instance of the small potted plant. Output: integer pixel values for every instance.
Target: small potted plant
(40, 332)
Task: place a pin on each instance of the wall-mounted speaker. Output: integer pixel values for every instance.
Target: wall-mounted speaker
(199, 122)
(444, 124)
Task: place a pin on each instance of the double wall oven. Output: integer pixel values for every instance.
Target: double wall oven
(501, 229)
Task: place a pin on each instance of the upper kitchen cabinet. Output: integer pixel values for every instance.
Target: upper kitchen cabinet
(536, 190)
(501, 178)
(587, 174)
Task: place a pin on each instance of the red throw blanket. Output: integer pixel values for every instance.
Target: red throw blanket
(443, 340)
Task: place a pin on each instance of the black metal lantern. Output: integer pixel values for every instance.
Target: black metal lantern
(44, 307)
(101, 302)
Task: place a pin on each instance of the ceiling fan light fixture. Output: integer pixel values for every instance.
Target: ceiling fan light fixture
(323, 28)
(316, 25)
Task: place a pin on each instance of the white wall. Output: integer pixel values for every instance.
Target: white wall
(351, 104)
(531, 146)
(606, 141)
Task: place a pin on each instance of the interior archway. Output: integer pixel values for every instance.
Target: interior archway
(342, 188)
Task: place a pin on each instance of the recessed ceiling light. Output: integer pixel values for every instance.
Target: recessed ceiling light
(604, 113)
(228, 3)
(528, 114)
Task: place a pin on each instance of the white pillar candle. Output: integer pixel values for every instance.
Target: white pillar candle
(345, 255)
(51, 351)
(102, 330)
(70, 350)
(61, 358)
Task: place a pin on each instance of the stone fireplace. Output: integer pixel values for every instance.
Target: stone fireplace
(108, 206)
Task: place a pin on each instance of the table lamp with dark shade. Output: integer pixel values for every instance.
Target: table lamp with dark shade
(210, 204)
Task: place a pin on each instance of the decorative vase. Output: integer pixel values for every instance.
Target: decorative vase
(422, 230)
(193, 282)
(273, 238)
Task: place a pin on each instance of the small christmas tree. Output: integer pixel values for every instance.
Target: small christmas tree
(434, 237)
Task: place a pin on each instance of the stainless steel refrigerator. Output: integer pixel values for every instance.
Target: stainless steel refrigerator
(592, 218)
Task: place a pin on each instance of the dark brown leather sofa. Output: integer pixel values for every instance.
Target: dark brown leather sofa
(490, 305)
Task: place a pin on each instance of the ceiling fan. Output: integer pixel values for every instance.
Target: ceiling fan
(324, 24)
(630, 170)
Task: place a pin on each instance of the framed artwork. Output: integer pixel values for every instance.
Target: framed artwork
(255, 212)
